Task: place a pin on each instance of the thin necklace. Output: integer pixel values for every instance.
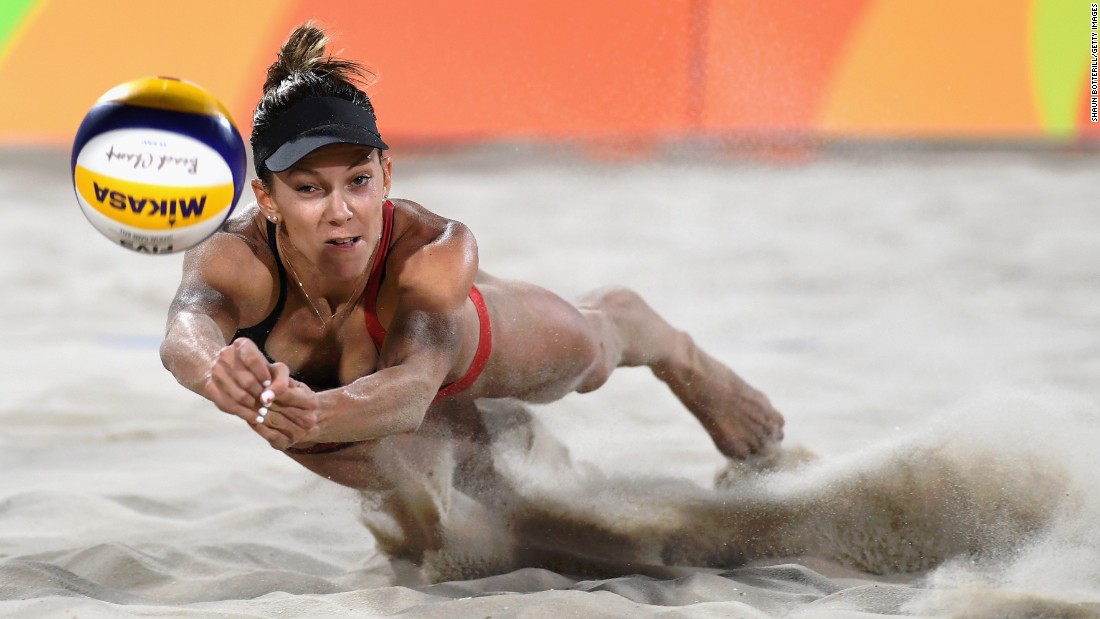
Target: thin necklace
(355, 290)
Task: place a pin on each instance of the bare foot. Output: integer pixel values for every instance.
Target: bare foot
(740, 419)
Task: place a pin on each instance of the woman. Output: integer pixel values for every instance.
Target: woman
(328, 315)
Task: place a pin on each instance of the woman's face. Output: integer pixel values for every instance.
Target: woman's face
(330, 204)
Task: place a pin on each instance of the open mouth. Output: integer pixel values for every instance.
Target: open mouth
(344, 242)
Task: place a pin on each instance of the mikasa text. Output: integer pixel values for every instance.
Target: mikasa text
(188, 206)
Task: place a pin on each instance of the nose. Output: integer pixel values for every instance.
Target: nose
(337, 211)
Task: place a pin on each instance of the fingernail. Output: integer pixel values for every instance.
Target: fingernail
(263, 411)
(267, 383)
(267, 397)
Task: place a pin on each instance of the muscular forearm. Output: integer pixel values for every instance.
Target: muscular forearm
(391, 401)
(190, 345)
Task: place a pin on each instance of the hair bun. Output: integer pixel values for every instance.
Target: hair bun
(304, 55)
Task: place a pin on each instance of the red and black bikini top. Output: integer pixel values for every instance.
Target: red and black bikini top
(259, 332)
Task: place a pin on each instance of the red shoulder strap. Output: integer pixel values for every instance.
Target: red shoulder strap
(374, 281)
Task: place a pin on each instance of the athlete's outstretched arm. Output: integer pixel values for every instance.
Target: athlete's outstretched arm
(196, 349)
(423, 344)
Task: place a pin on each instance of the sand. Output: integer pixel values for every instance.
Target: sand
(927, 320)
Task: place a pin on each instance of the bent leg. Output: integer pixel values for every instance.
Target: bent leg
(549, 348)
(739, 419)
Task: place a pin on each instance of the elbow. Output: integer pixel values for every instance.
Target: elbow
(166, 355)
(170, 354)
(413, 417)
(170, 362)
(409, 423)
(168, 345)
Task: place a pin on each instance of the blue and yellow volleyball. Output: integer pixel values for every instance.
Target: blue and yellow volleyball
(158, 165)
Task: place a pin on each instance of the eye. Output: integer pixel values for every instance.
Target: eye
(305, 188)
(360, 180)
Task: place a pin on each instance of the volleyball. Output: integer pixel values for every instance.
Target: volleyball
(158, 165)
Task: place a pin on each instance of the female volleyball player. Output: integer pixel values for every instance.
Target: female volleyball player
(329, 316)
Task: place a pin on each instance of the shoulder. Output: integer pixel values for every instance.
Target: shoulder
(432, 251)
(413, 223)
(240, 244)
(234, 262)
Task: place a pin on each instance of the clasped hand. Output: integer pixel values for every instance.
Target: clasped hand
(239, 382)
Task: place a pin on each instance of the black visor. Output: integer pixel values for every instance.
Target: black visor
(311, 124)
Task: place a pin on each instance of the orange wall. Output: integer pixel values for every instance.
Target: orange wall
(560, 69)
(501, 68)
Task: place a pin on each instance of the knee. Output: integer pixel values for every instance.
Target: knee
(613, 300)
(598, 362)
(595, 375)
